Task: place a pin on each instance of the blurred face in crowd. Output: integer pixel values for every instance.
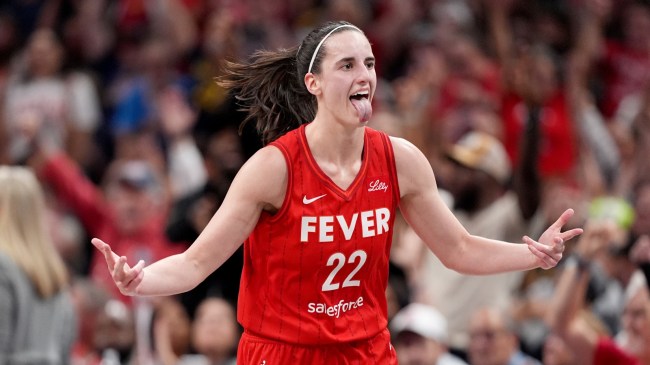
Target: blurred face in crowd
(537, 74)
(642, 209)
(134, 199)
(224, 156)
(157, 58)
(464, 184)
(356, 12)
(214, 331)
(552, 30)
(221, 35)
(462, 53)
(172, 314)
(556, 352)
(8, 36)
(491, 343)
(89, 300)
(636, 27)
(133, 207)
(636, 324)
(413, 349)
(115, 329)
(44, 53)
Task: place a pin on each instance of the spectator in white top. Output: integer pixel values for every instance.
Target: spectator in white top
(64, 107)
(421, 336)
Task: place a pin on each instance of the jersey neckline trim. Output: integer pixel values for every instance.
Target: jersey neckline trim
(348, 193)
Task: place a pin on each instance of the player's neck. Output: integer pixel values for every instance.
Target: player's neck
(335, 143)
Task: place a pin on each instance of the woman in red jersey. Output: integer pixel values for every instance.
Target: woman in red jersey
(315, 208)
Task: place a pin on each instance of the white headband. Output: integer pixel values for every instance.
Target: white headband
(313, 56)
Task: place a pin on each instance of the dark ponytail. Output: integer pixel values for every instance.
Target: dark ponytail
(269, 91)
(271, 88)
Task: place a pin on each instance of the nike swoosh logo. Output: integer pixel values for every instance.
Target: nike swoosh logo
(309, 201)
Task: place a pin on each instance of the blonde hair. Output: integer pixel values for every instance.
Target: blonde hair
(23, 234)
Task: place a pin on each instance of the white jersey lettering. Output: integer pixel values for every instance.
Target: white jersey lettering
(347, 228)
(335, 310)
(325, 229)
(367, 223)
(382, 214)
(378, 185)
(371, 223)
(307, 226)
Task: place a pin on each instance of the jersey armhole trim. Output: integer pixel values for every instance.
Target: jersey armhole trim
(388, 145)
(285, 201)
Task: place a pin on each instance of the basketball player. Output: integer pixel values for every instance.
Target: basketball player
(315, 208)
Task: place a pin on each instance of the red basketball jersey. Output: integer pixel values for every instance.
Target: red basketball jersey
(316, 271)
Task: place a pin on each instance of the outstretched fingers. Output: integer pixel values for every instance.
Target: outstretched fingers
(548, 255)
(546, 263)
(564, 219)
(126, 278)
(568, 235)
(133, 278)
(119, 270)
(110, 256)
(550, 246)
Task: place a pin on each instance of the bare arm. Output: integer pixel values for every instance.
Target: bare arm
(259, 185)
(457, 249)
(591, 16)
(500, 36)
(641, 256)
(563, 318)
(569, 297)
(4, 140)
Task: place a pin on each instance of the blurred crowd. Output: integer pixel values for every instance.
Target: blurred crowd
(524, 108)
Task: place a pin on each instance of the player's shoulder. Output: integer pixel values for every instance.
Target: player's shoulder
(267, 160)
(263, 177)
(405, 152)
(414, 172)
(402, 143)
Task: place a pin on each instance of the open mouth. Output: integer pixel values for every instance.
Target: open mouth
(360, 95)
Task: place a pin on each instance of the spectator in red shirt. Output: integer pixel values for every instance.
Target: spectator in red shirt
(623, 62)
(532, 85)
(132, 209)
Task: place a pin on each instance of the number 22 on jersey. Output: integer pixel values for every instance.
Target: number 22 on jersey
(338, 260)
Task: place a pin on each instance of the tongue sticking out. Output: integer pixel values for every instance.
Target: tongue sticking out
(363, 107)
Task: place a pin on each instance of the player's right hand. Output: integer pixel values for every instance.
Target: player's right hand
(126, 278)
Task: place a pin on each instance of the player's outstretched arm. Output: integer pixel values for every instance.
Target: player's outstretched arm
(259, 185)
(436, 225)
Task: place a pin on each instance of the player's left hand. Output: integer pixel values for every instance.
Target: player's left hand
(550, 246)
(126, 278)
